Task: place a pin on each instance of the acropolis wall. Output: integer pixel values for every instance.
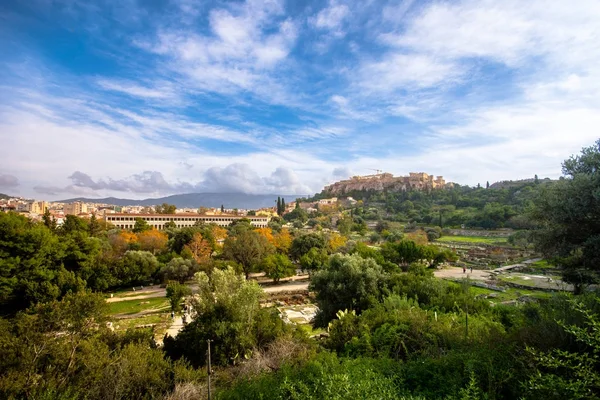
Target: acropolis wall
(379, 182)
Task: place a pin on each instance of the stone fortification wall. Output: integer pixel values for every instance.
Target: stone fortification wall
(380, 182)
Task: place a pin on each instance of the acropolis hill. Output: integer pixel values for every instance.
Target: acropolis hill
(377, 182)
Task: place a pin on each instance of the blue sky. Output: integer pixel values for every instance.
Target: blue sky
(146, 98)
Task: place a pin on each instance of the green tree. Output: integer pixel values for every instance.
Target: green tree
(227, 311)
(277, 266)
(304, 243)
(247, 248)
(347, 282)
(568, 213)
(222, 208)
(73, 224)
(94, 226)
(297, 214)
(31, 264)
(179, 269)
(176, 292)
(141, 225)
(49, 220)
(137, 267)
(165, 208)
(562, 374)
(314, 259)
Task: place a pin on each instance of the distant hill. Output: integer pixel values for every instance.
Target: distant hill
(512, 184)
(195, 200)
(4, 196)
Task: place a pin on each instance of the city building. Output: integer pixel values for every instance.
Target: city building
(158, 221)
(75, 208)
(37, 207)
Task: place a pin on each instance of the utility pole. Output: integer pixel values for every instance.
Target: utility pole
(209, 369)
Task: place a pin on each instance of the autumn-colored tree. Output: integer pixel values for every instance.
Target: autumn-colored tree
(282, 241)
(120, 242)
(199, 248)
(153, 241)
(267, 233)
(219, 234)
(336, 241)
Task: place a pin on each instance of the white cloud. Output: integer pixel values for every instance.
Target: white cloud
(407, 71)
(135, 90)
(331, 18)
(246, 44)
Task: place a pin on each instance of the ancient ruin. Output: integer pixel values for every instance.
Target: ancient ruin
(377, 182)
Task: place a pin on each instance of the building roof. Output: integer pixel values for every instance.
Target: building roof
(183, 215)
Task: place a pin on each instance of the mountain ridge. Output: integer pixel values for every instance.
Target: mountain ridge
(195, 200)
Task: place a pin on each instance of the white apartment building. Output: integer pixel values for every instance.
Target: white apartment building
(158, 221)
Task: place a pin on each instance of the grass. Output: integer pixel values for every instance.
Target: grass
(135, 306)
(473, 239)
(541, 265)
(509, 294)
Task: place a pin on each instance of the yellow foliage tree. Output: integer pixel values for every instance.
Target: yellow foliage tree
(220, 234)
(200, 248)
(336, 241)
(283, 241)
(152, 240)
(267, 233)
(120, 242)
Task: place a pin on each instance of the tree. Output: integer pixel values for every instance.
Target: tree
(297, 214)
(222, 208)
(199, 248)
(344, 225)
(347, 282)
(279, 212)
(141, 225)
(178, 269)
(94, 226)
(153, 241)
(302, 245)
(247, 248)
(335, 242)
(314, 259)
(227, 311)
(165, 208)
(277, 266)
(73, 224)
(137, 267)
(568, 212)
(176, 292)
(487, 184)
(282, 206)
(282, 241)
(49, 220)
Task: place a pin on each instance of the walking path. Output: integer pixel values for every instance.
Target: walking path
(457, 273)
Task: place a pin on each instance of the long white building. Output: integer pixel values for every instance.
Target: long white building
(158, 221)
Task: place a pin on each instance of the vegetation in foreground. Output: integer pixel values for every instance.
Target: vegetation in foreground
(393, 330)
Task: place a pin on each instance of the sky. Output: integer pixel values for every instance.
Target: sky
(148, 98)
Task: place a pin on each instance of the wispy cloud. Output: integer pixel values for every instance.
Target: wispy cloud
(193, 93)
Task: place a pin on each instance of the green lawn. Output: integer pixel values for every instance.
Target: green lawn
(473, 239)
(136, 306)
(509, 294)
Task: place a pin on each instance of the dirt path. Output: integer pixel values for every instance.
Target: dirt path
(287, 287)
(457, 273)
(148, 295)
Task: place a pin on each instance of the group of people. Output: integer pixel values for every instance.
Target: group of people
(184, 318)
(465, 270)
